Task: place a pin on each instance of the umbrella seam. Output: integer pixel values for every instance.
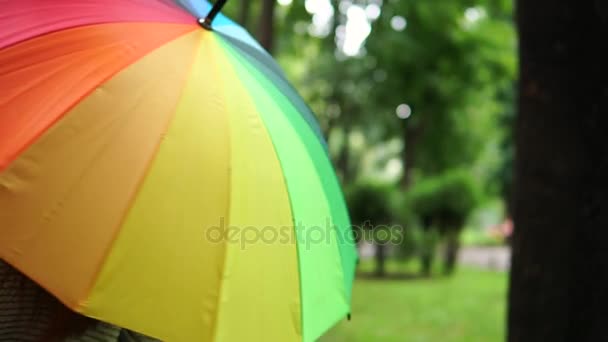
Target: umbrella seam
(228, 200)
(82, 303)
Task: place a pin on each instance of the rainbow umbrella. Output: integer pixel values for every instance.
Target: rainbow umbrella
(165, 177)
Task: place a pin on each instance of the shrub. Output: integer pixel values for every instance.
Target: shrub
(442, 203)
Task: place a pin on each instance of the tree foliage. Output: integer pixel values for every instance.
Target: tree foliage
(449, 65)
(444, 201)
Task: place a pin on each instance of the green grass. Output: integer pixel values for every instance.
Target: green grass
(470, 306)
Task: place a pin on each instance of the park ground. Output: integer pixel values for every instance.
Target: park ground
(469, 306)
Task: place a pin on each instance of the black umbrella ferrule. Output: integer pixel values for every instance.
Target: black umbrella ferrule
(217, 7)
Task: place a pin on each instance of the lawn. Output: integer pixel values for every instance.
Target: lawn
(470, 306)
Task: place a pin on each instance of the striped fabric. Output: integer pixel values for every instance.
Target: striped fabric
(20, 318)
(26, 311)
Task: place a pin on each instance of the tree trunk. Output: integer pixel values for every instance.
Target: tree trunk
(266, 30)
(559, 277)
(427, 248)
(411, 134)
(426, 263)
(380, 259)
(244, 12)
(452, 246)
(343, 162)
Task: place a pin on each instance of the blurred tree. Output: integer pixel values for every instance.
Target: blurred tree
(266, 25)
(371, 215)
(336, 87)
(449, 63)
(452, 68)
(559, 270)
(244, 12)
(443, 203)
(436, 75)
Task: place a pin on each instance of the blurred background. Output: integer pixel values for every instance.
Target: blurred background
(415, 99)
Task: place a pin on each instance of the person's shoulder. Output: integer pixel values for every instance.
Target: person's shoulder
(98, 332)
(104, 332)
(131, 336)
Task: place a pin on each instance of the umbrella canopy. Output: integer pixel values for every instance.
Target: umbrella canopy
(164, 177)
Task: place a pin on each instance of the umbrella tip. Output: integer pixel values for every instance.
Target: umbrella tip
(206, 21)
